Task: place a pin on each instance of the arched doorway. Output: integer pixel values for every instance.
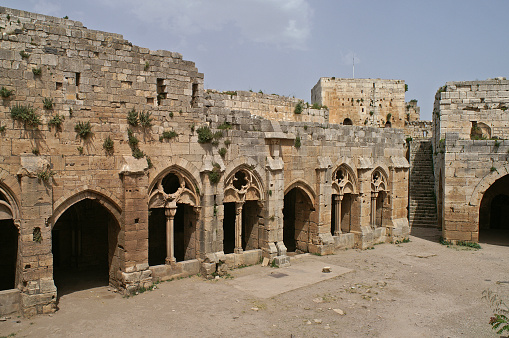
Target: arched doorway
(347, 122)
(9, 237)
(343, 199)
(494, 213)
(296, 220)
(84, 247)
(173, 217)
(242, 211)
(379, 198)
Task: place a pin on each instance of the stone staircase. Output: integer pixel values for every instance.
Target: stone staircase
(422, 204)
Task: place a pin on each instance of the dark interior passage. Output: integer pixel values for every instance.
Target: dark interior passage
(494, 213)
(156, 237)
(84, 241)
(229, 228)
(250, 217)
(184, 241)
(8, 254)
(296, 217)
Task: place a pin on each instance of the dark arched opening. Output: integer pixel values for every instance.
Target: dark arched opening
(229, 228)
(184, 234)
(8, 254)
(84, 247)
(494, 213)
(347, 122)
(296, 218)
(380, 200)
(250, 218)
(388, 124)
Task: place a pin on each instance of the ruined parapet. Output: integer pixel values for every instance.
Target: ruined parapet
(419, 129)
(271, 107)
(370, 102)
(412, 111)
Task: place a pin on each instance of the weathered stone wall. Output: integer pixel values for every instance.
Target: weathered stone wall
(412, 111)
(419, 129)
(363, 101)
(98, 79)
(465, 168)
(271, 107)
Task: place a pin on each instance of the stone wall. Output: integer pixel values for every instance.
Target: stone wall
(363, 101)
(272, 107)
(412, 111)
(129, 129)
(466, 169)
(419, 129)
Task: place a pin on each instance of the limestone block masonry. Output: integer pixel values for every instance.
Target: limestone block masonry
(117, 165)
(471, 128)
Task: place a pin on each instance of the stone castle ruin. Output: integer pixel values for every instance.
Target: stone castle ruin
(470, 128)
(117, 166)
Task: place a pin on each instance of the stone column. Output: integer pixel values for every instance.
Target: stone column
(337, 210)
(169, 212)
(373, 209)
(238, 227)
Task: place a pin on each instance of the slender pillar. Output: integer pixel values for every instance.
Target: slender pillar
(337, 210)
(238, 227)
(373, 209)
(170, 251)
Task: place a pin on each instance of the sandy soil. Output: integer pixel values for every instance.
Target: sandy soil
(416, 289)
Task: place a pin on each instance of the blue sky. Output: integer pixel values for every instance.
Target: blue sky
(285, 46)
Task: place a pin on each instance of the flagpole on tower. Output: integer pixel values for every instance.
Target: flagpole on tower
(353, 67)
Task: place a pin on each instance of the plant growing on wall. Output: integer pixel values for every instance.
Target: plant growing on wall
(108, 145)
(389, 115)
(297, 142)
(37, 71)
(25, 114)
(47, 103)
(56, 120)
(6, 93)
(45, 175)
(299, 107)
(204, 134)
(83, 129)
(222, 152)
(131, 139)
(215, 174)
(132, 118)
(168, 135)
(145, 119)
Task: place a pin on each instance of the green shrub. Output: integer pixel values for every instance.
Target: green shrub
(132, 118)
(24, 55)
(145, 119)
(204, 134)
(168, 135)
(147, 65)
(45, 175)
(37, 71)
(83, 129)
(222, 152)
(56, 120)
(225, 126)
(297, 142)
(227, 142)
(299, 107)
(6, 93)
(47, 103)
(137, 153)
(215, 174)
(2, 129)
(26, 114)
(131, 139)
(108, 145)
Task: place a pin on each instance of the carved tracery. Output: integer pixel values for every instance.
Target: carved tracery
(171, 189)
(378, 181)
(343, 181)
(242, 186)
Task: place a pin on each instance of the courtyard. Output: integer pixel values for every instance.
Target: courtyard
(416, 289)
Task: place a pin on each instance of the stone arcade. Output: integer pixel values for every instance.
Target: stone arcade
(126, 171)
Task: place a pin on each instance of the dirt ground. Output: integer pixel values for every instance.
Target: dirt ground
(415, 289)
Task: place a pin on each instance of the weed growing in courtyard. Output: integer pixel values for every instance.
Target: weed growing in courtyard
(499, 321)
